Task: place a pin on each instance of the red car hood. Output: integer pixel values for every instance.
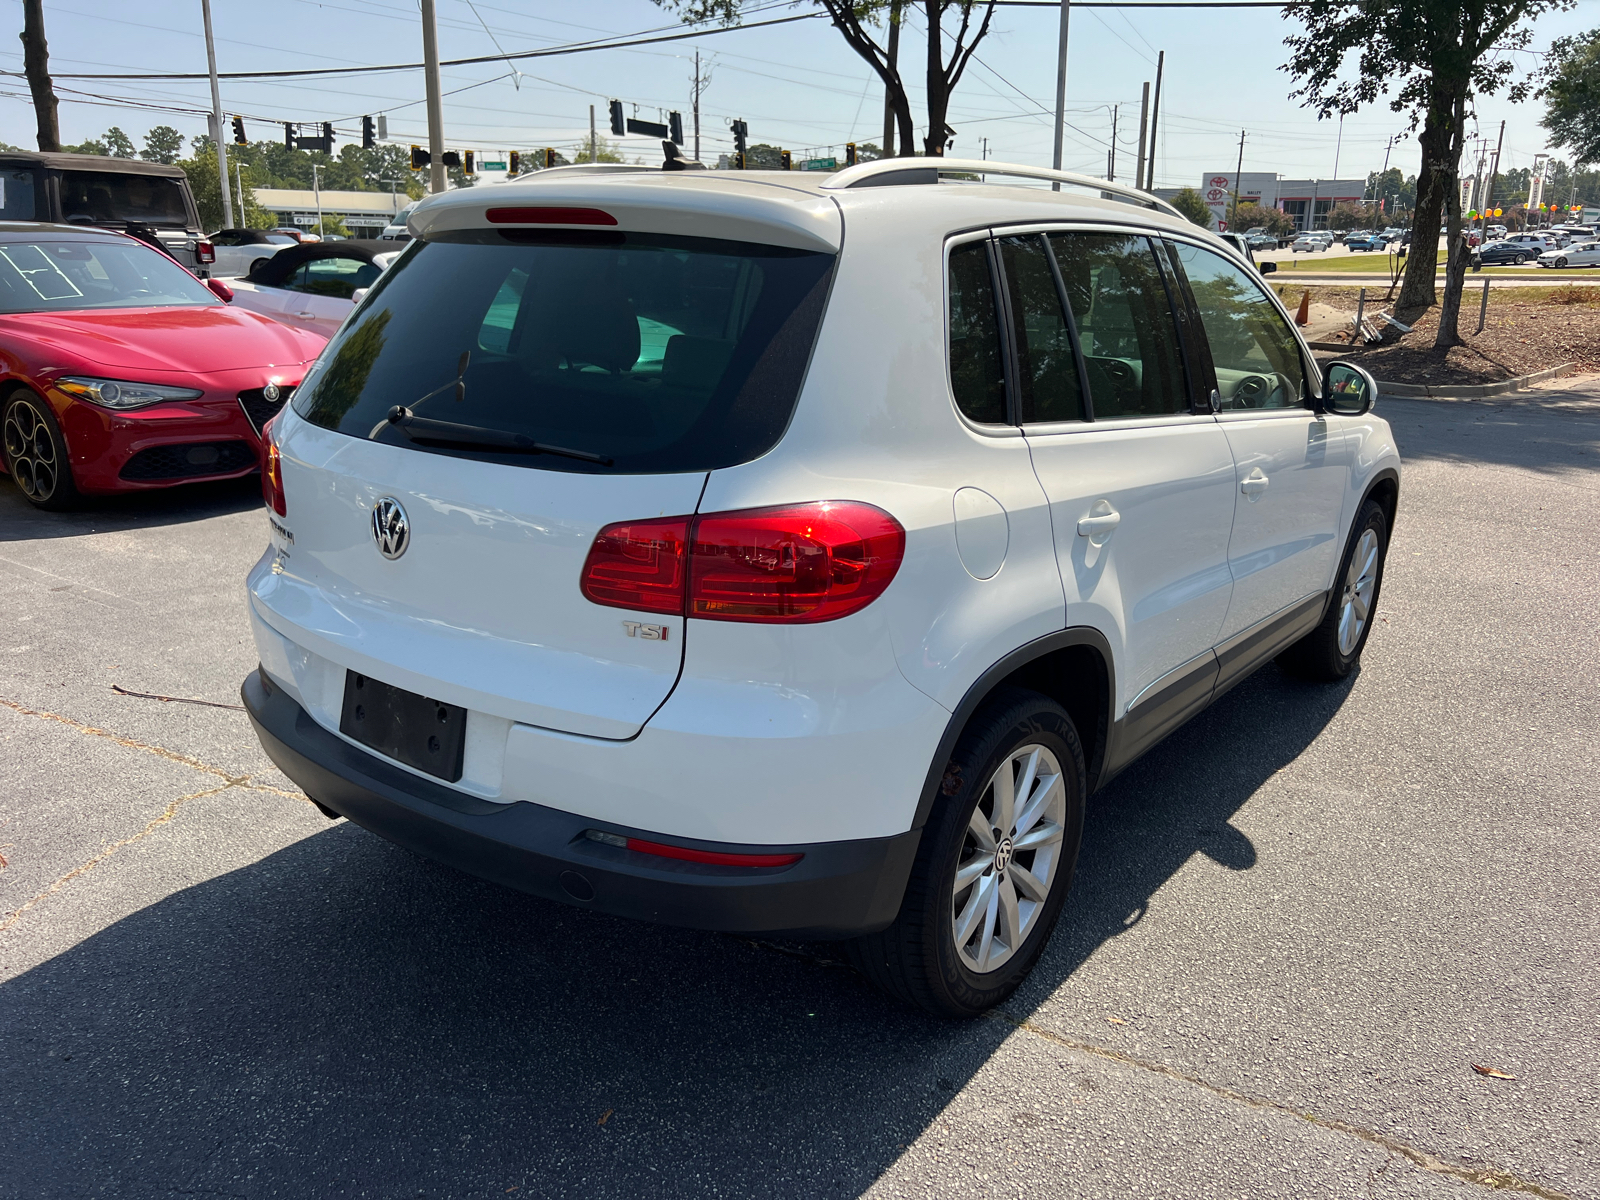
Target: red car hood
(196, 340)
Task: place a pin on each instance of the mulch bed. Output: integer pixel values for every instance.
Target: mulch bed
(1528, 329)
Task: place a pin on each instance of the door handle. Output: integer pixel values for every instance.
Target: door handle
(1102, 519)
(1254, 484)
(307, 313)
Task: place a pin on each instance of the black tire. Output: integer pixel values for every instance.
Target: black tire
(1561, 262)
(1320, 655)
(36, 453)
(258, 264)
(917, 959)
(1518, 260)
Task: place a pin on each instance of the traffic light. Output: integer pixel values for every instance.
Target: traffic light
(741, 131)
(368, 134)
(420, 159)
(239, 138)
(617, 126)
(288, 135)
(450, 158)
(514, 161)
(736, 162)
(467, 163)
(849, 154)
(327, 135)
(675, 127)
(785, 161)
(549, 158)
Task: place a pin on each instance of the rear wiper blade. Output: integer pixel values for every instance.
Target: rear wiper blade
(474, 437)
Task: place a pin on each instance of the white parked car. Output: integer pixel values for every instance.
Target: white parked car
(1578, 254)
(793, 554)
(313, 286)
(396, 230)
(1312, 243)
(239, 251)
(1537, 243)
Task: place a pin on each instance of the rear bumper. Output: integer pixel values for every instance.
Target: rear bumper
(837, 890)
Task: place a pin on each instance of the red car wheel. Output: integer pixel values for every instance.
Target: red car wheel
(36, 453)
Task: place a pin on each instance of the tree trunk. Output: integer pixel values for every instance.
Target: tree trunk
(1436, 179)
(938, 95)
(1455, 271)
(36, 64)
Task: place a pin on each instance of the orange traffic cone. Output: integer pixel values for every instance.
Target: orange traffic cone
(1303, 317)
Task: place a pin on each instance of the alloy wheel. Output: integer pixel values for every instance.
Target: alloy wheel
(31, 451)
(1010, 858)
(1360, 581)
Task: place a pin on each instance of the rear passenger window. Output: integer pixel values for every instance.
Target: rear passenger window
(976, 375)
(1047, 375)
(1125, 324)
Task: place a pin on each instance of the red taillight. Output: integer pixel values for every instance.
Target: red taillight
(719, 858)
(549, 216)
(272, 472)
(797, 563)
(205, 252)
(639, 565)
(792, 564)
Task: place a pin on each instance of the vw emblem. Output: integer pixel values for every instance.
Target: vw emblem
(390, 529)
(1002, 855)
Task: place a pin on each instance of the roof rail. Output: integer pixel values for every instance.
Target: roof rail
(888, 171)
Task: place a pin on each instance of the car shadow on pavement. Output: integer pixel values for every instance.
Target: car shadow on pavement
(1541, 431)
(22, 522)
(342, 1018)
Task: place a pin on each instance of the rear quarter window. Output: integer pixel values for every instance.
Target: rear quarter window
(661, 354)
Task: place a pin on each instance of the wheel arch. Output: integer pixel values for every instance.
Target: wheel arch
(1074, 667)
(1384, 487)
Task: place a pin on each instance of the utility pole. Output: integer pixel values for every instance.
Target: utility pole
(1155, 121)
(594, 144)
(316, 192)
(697, 104)
(238, 171)
(1488, 194)
(1144, 121)
(216, 118)
(894, 58)
(1111, 167)
(1237, 171)
(36, 65)
(437, 180)
(1338, 145)
(1061, 88)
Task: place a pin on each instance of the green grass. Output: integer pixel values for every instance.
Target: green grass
(1381, 264)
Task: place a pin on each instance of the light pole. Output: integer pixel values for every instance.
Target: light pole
(1061, 88)
(216, 117)
(437, 180)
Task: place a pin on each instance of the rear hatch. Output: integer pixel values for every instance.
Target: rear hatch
(512, 392)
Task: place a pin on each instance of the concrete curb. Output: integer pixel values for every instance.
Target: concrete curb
(1474, 391)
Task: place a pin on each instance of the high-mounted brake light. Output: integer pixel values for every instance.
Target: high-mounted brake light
(549, 216)
(272, 471)
(794, 564)
(718, 858)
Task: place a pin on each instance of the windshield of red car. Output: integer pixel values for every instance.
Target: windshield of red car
(60, 276)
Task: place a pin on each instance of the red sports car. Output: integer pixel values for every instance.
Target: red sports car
(120, 371)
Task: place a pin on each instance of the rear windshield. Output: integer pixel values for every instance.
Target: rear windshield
(65, 275)
(660, 354)
(93, 197)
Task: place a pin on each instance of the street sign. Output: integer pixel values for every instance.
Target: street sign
(491, 165)
(819, 164)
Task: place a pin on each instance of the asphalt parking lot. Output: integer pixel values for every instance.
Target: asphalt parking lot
(1297, 924)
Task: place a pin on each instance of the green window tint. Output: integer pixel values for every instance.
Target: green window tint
(1125, 324)
(336, 277)
(976, 375)
(1256, 355)
(495, 332)
(1047, 377)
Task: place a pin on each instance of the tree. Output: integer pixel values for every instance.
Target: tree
(1250, 215)
(163, 144)
(331, 226)
(762, 157)
(1192, 205)
(1433, 57)
(36, 65)
(204, 182)
(852, 19)
(1351, 216)
(1571, 94)
(119, 143)
(610, 152)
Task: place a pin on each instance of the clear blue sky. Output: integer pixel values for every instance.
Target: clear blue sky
(798, 85)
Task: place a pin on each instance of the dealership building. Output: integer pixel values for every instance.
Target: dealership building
(1307, 201)
(364, 213)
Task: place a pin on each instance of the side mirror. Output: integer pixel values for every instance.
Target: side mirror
(360, 294)
(221, 290)
(1347, 390)
(1267, 268)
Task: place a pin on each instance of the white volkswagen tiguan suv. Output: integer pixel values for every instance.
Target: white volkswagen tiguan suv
(769, 553)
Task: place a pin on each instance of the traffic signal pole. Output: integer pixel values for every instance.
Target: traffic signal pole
(1061, 89)
(437, 180)
(216, 119)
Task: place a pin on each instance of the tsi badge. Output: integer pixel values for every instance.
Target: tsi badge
(390, 529)
(650, 633)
